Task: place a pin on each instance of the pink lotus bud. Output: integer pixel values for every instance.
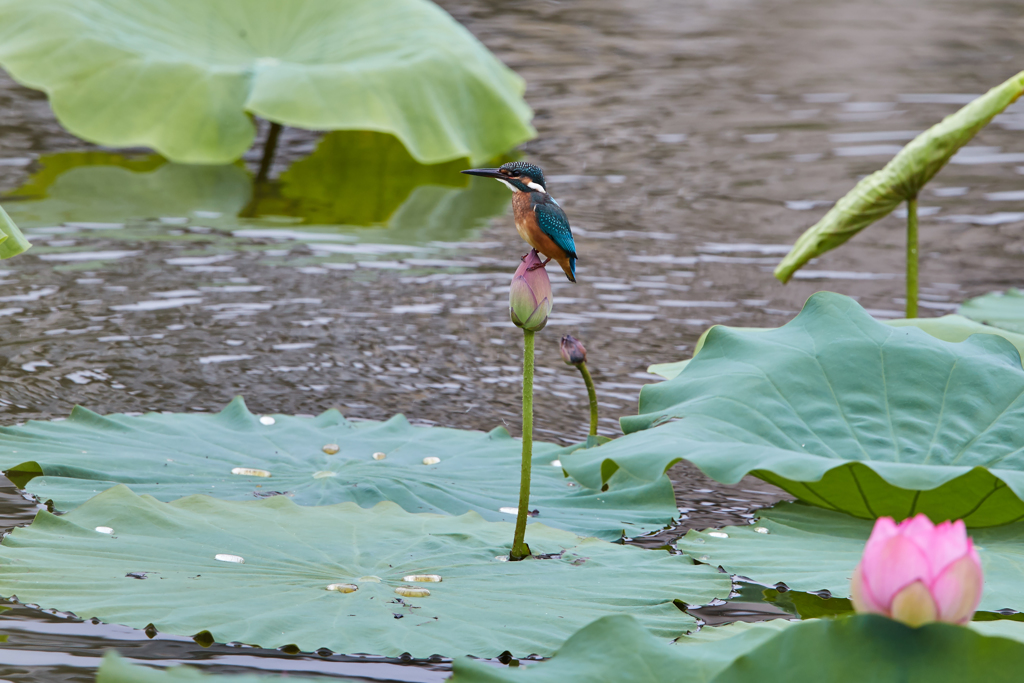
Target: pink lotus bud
(572, 350)
(529, 296)
(918, 572)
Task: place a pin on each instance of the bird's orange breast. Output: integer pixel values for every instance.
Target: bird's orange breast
(529, 230)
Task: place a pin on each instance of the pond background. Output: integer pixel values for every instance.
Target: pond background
(690, 144)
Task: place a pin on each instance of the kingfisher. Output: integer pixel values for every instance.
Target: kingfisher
(540, 221)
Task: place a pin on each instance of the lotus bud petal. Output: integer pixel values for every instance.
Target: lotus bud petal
(918, 572)
(529, 295)
(572, 350)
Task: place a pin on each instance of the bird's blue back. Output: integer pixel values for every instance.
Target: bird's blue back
(553, 222)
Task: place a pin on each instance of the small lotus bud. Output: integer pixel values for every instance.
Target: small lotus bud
(918, 572)
(572, 350)
(529, 295)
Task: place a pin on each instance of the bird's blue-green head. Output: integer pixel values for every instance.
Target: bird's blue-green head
(519, 176)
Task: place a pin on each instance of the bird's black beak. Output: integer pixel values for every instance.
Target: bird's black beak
(485, 172)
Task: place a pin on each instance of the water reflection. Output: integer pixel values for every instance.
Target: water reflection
(360, 186)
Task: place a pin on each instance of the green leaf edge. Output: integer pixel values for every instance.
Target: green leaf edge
(902, 178)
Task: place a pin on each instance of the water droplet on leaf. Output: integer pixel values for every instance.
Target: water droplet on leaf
(379, 456)
(422, 578)
(267, 420)
(224, 557)
(104, 530)
(431, 460)
(412, 592)
(718, 534)
(343, 587)
(556, 463)
(331, 448)
(250, 472)
(369, 579)
(509, 511)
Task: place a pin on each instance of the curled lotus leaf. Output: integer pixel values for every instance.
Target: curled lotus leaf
(811, 549)
(184, 77)
(877, 195)
(1004, 310)
(259, 572)
(12, 242)
(175, 455)
(951, 328)
(843, 412)
(851, 649)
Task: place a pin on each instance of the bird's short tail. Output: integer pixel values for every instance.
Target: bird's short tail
(569, 267)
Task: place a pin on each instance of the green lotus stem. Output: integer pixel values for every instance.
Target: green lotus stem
(593, 397)
(520, 550)
(912, 257)
(269, 147)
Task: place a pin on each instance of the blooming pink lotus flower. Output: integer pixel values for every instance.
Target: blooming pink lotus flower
(918, 572)
(529, 296)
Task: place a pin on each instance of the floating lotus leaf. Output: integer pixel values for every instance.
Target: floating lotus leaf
(847, 650)
(811, 549)
(279, 596)
(843, 412)
(1002, 310)
(183, 77)
(12, 242)
(114, 669)
(877, 195)
(951, 328)
(170, 456)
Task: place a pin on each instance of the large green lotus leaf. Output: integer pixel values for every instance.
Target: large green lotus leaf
(811, 549)
(1002, 310)
(114, 669)
(183, 77)
(12, 242)
(278, 596)
(174, 455)
(902, 178)
(843, 412)
(853, 649)
(951, 328)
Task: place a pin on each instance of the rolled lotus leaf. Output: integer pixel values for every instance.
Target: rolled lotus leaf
(902, 178)
(1003, 310)
(183, 77)
(12, 242)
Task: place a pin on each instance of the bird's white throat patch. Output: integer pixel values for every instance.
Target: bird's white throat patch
(536, 187)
